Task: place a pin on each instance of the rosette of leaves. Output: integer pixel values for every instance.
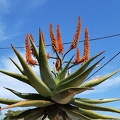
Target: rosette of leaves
(56, 89)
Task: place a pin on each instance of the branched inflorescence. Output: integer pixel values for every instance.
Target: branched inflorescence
(55, 97)
(58, 46)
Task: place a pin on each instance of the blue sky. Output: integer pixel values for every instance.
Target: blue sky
(101, 17)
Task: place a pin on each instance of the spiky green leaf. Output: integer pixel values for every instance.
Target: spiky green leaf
(19, 67)
(88, 106)
(17, 76)
(93, 114)
(31, 114)
(29, 96)
(49, 82)
(76, 81)
(89, 113)
(67, 94)
(97, 101)
(62, 74)
(33, 78)
(8, 101)
(53, 114)
(82, 68)
(97, 81)
(45, 72)
(75, 115)
(29, 103)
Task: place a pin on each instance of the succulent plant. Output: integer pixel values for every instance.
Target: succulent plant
(56, 89)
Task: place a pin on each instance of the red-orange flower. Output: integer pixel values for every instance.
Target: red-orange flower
(32, 39)
(59, 40)
(53, 39)
(28, 49)
(29, 52)
(48, 55)
(86, 45)
(78, 58)
(77, 34)
(57, 65)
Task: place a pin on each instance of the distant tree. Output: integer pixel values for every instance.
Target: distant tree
(11, 113)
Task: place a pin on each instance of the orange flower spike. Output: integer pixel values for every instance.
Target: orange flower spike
(48, 55)
(32, 38)
(29, 59)
(57, 65)
(78, 58)
(86, 45)
(28, 49)
(59, 40)
(77, 34)
(32, 62)
(53, 39)
(77, 54)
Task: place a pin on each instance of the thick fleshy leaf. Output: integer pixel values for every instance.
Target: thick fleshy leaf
(62, 74)
(45, 72)
(75, 115)
(29, 96)
(97, 81)
(89, 113)
(35, 81)
(97, 101)
(31, 114)
(93, 114)
(8, 101)
(29, 103)
(49, 82)
(77, 80)
(82, 68)
(67, 94)
(19, 67)
(88, 106)
(53, 112)
(17, 76)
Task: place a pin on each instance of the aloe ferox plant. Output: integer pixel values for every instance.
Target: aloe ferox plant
(56, 88)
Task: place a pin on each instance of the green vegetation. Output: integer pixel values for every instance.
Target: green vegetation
(55, 89)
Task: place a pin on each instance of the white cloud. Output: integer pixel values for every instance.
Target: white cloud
(9, 82)
(11, 6)
(105, 86)
(3, 34)
(4, 5)
(6, 81)
(7, 6)
(2, 28)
